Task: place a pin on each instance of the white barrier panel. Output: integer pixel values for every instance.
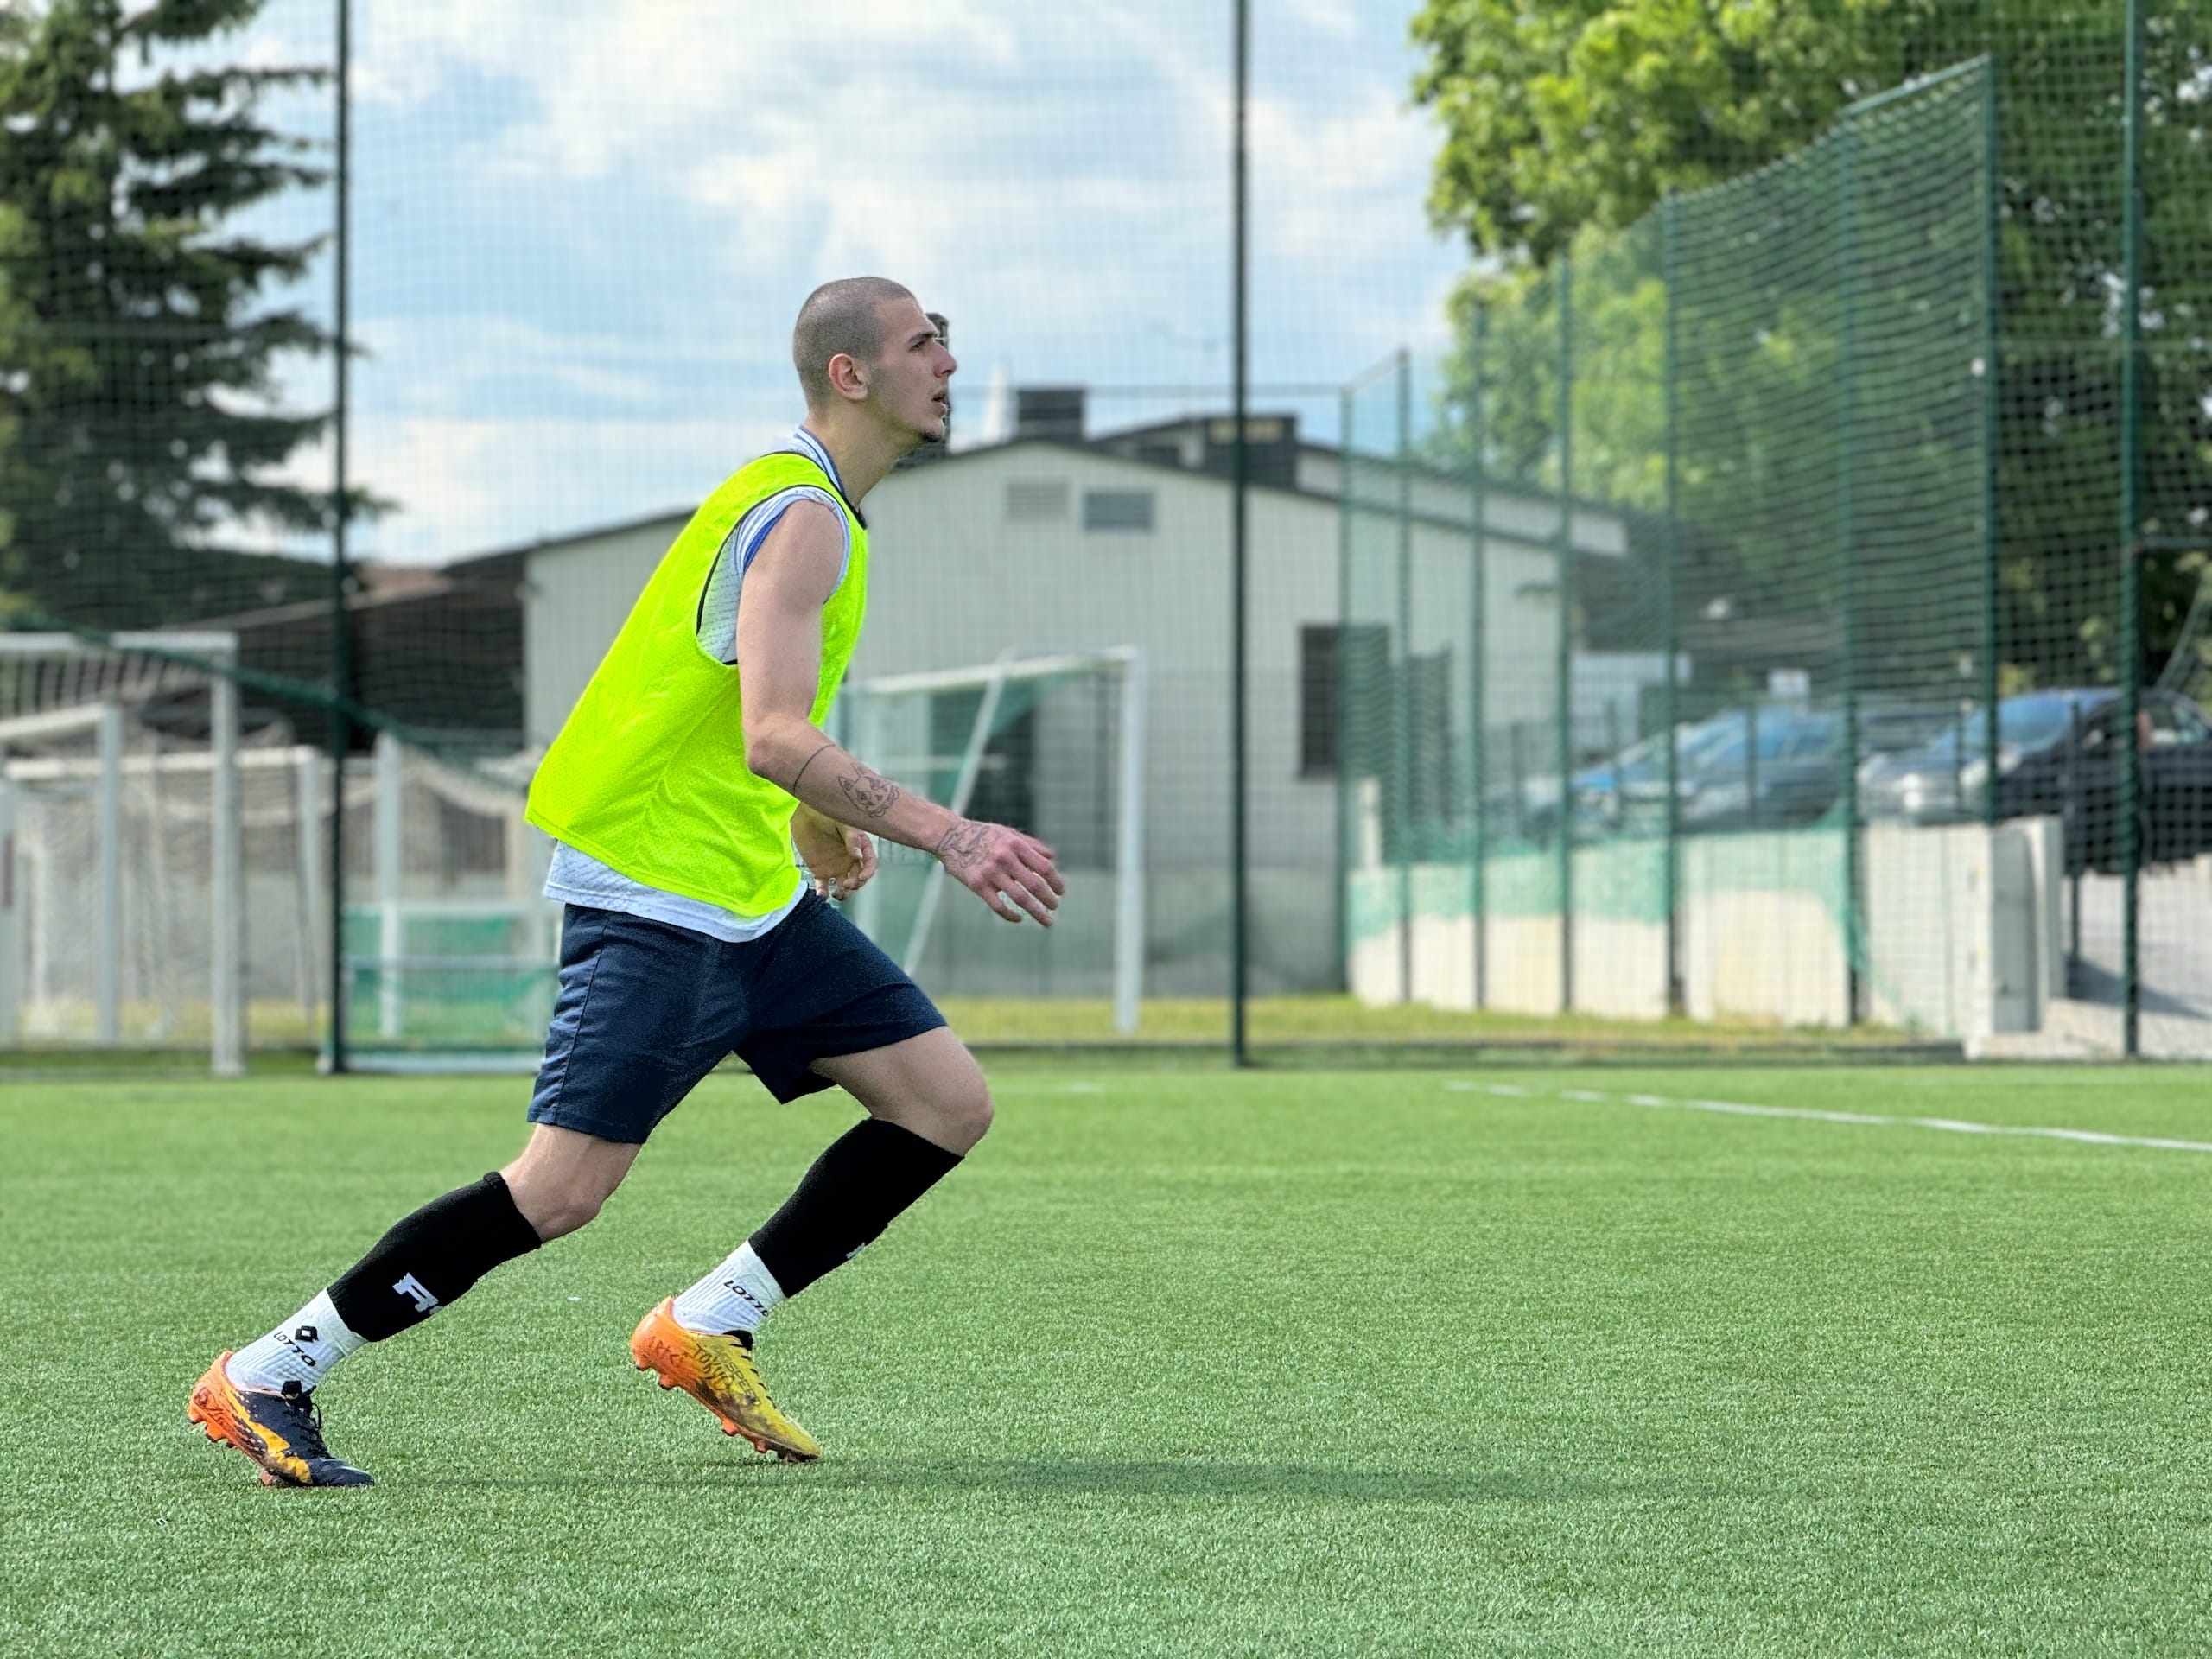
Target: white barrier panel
(10, 909)
(1960, 933)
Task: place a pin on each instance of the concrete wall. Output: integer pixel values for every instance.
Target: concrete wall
(1962, 925)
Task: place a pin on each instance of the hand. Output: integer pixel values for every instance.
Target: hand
(840, 859)
(1010, 871)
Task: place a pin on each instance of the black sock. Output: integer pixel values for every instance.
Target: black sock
(854, 1191)
(429, 1258)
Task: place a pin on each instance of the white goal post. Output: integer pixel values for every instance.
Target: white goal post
(101, 707)
(866, 709)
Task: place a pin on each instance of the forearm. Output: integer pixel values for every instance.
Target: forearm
(795, 755)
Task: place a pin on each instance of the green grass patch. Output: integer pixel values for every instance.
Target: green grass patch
(1177, 1363)
(1345, 1021)
(1300, 1030)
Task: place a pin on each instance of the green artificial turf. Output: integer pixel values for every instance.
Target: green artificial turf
(1188, 1362)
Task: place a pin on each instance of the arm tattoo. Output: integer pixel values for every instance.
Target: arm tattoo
(963, 844)
(871, 795)
(804, 764)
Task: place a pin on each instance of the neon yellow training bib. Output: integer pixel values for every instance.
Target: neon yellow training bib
(648, 772)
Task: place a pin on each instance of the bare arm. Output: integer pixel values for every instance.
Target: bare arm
(779, 668)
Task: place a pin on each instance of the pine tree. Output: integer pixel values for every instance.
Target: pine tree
(140, 429)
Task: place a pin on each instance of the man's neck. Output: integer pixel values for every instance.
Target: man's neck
(862, 452)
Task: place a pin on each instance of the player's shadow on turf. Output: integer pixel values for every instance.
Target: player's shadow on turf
(1154, 1478)
(1179, 1477)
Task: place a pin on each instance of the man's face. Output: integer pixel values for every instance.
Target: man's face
(909, 387)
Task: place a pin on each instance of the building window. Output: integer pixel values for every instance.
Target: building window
(1036, 501)
(1323, 663)
(1118, 510)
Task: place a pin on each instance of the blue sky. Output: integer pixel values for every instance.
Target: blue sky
(579, 231)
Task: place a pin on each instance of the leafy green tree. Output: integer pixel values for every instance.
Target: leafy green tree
(141, 430)
(1566, 122)
(1563, 113)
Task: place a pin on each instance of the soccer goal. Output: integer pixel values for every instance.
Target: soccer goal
(1053, 745)
(122, 842)
(450, 950)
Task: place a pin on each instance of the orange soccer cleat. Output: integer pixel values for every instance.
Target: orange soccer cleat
(719, 1373)
(281, 1432)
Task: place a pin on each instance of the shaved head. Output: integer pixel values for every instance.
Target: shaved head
(844, 316)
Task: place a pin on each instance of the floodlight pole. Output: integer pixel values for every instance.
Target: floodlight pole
(1240, 490)
(341, 656)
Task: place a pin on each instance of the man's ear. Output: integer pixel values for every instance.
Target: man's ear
(845, 375)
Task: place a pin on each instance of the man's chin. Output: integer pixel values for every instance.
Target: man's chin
(931, 435)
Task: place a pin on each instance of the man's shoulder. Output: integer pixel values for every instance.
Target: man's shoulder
(807, 541)
(805, 517)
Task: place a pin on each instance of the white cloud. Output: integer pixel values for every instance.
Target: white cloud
(1338, 18)
(580, 229)
(471, 484)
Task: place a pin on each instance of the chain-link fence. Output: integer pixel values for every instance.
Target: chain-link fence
(1870, 559)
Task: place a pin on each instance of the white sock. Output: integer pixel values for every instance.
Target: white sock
(298, 1354)
(736, 1296)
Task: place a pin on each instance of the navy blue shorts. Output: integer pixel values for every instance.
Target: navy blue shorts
(645, 1010)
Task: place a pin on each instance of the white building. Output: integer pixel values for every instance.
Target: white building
(1055, 545)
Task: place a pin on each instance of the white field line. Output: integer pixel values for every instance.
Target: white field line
(1739, 1109)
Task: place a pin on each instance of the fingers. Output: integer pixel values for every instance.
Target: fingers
(1015, 891)
(1012, 873)
(1041, 863)
(860, 867)
(1018, 897)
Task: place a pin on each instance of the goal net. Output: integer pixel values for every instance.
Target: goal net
(148, 895)
(450, 951)
(163, 852)
(1053, 746)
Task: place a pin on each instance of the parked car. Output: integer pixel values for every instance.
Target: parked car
(1629, 790)
(1603, 793)
(2058, 754)
(1774, 765)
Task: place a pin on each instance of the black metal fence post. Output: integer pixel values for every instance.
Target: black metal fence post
(341, 653)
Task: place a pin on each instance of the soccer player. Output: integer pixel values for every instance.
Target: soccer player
(692, 766)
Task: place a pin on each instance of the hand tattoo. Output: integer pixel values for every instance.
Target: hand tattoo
(871, 795)
(963, 844)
